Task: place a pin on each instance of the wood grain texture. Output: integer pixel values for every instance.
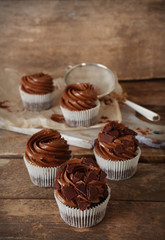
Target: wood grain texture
(127, 36)
(146, 185)
(152, 155)
(40, 219)
(147, 93)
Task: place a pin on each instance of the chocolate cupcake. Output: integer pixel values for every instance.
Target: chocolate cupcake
(116, 151)
(81, 192)
(37, 91)
(45, 151)
(79, 105)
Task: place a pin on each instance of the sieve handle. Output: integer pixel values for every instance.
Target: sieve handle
(152, 116)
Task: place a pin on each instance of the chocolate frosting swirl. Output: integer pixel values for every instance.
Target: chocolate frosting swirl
(46, 148)
(79, 96)
(38, 83)
(116, 142)
(80, 183)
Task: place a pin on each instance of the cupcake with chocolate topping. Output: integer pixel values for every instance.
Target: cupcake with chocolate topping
(45, 151)
(37, 91)
(81, 192)
(79, 105)
(116, 151)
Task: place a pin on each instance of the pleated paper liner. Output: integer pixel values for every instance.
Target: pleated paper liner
(118, 170)
(83, 118)
(37, 102)
(83, 219)
(41, 176)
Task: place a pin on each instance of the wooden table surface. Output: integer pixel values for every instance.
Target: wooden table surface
(137, 206)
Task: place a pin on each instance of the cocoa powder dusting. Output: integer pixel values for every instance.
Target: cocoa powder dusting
(57, 118)
(104, 117)
(145, 131)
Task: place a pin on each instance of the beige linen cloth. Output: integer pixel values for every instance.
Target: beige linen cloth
(15, 115)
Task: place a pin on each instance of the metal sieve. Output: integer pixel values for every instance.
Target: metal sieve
(104, 83)
(99, 75)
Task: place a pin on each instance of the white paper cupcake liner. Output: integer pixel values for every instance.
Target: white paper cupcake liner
(36, 102)
(83, 219)
(118, 170)
(84, 118)
(41, 176)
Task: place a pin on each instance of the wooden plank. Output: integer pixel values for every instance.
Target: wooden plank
(60, 231)
(147, 93)
(40, 219)
(146, 185)
(12, 144)
(129, 38)
(152, 155)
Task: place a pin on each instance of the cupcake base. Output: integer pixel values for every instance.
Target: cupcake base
(37, 106)
(118, 170)
(41, 176)
(81, 123)
(114, 175)
(83, 219)
(36, 102)
(83, 118)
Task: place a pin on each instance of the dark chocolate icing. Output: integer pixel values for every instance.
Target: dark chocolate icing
(79, 96)
(116, 142)
(80, 183)
(38, 83)
(46, 148)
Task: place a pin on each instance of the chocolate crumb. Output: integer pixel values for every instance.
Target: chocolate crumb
(79, 175)
(102, 175)
(114, 133)
(81, 187)
(2, 105)
(107, 128)
(106, 138)
(91, 192)
(57, 186)
(70, 167)
(89, 162)
(57, 118)
(91, 176)
(82, 204)
(104, 117)
(69, 192)
(58, 174)
(125, 143)
(118, 149)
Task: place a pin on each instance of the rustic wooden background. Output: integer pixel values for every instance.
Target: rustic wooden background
(127, 36)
